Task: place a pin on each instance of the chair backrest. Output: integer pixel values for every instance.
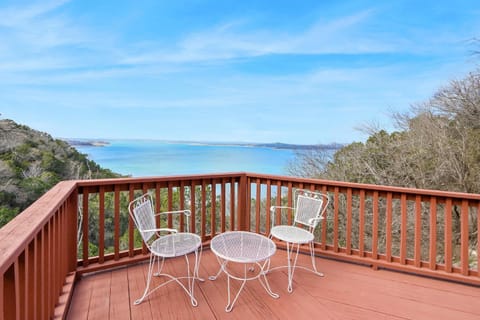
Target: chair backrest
(142, 212)
(310, 207)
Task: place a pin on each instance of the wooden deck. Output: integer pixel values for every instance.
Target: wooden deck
(347, 291)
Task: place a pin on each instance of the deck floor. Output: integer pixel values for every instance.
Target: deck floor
(347, 291)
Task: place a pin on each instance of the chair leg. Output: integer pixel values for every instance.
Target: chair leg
(191, 280)
(314, 265)
(149, 279)
(291, 269)
(197, 265)
(160, 263)
(191, 277)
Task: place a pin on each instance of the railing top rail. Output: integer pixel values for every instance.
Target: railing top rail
(16, 234)
(369, 187)
(340, 184)
(98, 182)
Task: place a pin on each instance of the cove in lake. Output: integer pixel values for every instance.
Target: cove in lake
(157, 158)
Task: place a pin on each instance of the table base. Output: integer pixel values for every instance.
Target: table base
(263, 270)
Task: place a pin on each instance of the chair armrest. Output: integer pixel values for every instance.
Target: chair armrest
(316, 220)
(279, 207)
(171, 230)
(185, 212)
(275, 208)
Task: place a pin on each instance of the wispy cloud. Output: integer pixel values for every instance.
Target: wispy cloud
(36, 28)
(42, 36)
(237, 39)
(20, 16)
(340, 35)
(362, 32)
(228, 70)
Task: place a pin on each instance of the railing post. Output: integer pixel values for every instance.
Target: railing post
(464, 238)
(72, 241)
(242, 203)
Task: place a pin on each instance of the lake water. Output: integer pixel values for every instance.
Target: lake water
(156, 158)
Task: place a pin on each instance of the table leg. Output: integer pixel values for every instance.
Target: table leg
(229, 305)
(262, 273)
(222, 265)
(264, 283)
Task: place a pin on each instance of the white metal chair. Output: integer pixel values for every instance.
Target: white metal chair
(309, 209)
(165, 243)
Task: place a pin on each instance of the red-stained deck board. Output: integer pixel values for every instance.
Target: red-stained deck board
(100, 297)
(136, 285)
(347, 291)
(81, 298)
(119, 301)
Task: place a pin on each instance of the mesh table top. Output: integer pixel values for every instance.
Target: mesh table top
(242, 246)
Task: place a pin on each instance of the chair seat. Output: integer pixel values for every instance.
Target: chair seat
(176, 244)
(291, 234)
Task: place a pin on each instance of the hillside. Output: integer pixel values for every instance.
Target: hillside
(31, 162)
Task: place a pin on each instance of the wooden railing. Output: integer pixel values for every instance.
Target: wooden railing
(38, 257)
(83, 226)
(425, 232)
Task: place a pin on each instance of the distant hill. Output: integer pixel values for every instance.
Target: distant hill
(87, 142)
(279, 145)
(32, 162)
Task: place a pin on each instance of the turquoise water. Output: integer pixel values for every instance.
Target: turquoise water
(153, 158)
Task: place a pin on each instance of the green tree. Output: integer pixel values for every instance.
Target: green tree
(32, 162)
(436, 146)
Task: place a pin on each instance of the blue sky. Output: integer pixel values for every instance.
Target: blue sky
(253, 71)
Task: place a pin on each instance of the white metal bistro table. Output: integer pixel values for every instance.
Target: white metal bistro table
(246, 248)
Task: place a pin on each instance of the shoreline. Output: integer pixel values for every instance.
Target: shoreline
(276, 145)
